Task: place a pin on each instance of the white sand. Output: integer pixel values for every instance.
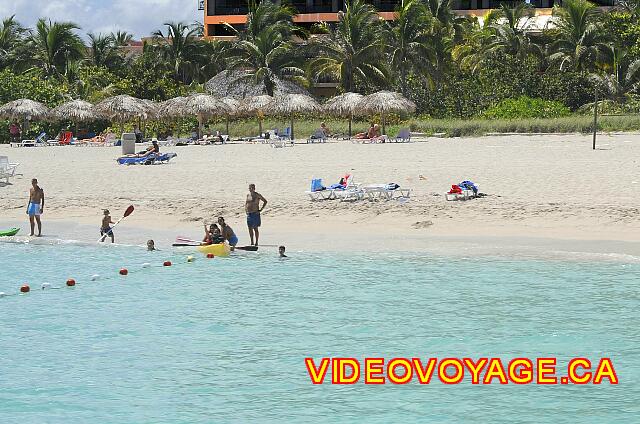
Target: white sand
(551, 186)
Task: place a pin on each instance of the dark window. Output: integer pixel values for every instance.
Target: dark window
(230, 7)
(218, 30)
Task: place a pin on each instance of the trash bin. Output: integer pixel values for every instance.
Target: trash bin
(128, 143)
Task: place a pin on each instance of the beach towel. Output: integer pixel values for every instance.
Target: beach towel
(316, 185)
(469, 185)
(455, 189)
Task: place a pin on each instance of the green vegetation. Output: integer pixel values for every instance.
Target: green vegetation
(466, 76)
(526, 107)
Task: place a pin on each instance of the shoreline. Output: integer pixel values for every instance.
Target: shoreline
(507, 247)
(542, 192)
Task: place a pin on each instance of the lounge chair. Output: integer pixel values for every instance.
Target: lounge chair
(464, 191)
(286, 135)
(7, 169)
(24, 143)
(404, 136)
(318, 191)
(146, 160)
(385, 192)
(318, 136)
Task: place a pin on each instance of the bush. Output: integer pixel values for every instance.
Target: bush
(526, 107)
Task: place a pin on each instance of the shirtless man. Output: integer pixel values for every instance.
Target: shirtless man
(35, 207)
(253, 209)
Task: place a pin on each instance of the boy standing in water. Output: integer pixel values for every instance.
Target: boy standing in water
(35, 206)
(105, 229)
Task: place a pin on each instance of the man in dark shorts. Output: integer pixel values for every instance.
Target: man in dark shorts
(253, 209)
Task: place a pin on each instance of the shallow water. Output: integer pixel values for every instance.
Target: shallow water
(224, 340)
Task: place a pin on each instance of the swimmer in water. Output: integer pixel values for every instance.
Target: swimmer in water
(281, 250)
(151, 246)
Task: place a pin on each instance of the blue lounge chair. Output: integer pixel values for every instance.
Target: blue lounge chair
(147, 160)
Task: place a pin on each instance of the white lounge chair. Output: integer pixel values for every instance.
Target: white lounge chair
(465, 195)
(384, 192)
(7, 169)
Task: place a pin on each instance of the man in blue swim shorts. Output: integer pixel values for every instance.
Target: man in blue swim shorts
(253, 209)
(35, 206)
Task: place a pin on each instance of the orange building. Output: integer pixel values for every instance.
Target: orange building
(234, 12)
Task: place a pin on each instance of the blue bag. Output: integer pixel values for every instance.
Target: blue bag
(316, 184)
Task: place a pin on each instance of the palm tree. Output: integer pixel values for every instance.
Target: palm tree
(510, 35)
(353, 50)
(102, 49)
(409, 44)
(180, 48)
(505, 32)
(623, 80)
(264, 50)
(11, 39)
(579, 41)
(121, 38)
(447, 30)
(55, 46)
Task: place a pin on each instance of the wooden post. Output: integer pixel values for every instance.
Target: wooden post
(595, 117)
(292, 137)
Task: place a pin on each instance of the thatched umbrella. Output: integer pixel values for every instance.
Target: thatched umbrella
(234, 108)
(122, 108)
(259, 106)
(240, 84)
(171, 108)
(75, 111)
(384, 102)
(24, 110)
(344, 106)
(204, 106)
(290, 104)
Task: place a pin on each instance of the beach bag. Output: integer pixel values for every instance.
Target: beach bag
(316, 184)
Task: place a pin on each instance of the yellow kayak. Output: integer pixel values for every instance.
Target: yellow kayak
(221, 249)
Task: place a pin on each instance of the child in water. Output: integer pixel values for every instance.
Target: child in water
(105, 229)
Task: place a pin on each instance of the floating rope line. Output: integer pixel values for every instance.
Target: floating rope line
(71, 282)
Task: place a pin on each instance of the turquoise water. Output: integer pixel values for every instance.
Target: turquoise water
(224, 340)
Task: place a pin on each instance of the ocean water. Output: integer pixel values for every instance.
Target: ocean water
(224, 340)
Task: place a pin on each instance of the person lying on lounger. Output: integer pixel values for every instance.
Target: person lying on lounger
(153, 149)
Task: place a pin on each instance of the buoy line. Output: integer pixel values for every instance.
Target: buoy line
(71, 282)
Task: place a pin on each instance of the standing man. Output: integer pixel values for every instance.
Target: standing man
(253, 209)
(35, 206)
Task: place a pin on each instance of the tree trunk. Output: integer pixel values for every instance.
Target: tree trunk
(595, 117)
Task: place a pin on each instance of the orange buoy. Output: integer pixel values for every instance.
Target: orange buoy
(25, 288)
(124, 271)
(167, 263)
(210, 255)
(71, 282)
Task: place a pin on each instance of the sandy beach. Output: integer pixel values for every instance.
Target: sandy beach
(551, 187)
